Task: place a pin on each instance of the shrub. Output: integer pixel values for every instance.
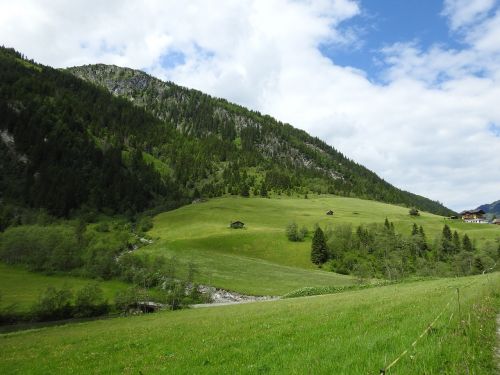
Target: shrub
(414, 212)
(90, 301)
(53, 304)
(125, 299)
(144, 224)
(294, 234)
(102, 227)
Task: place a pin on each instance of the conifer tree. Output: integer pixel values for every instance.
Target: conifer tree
(467, 244)
(386, 224)
(447, 232)
(319, 251)
(446, 242)
(456, 241)
(421, 231)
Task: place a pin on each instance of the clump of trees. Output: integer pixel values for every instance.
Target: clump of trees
(378, 250)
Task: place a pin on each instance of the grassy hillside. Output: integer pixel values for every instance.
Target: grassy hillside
(23, 288)
(253, 259)
(355, 332)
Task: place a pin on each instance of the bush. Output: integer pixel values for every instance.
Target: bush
(293, 233)
(414, 212)
(125, 299)
(90, 302)
(53, 304)
(102, 227)
(144, 224)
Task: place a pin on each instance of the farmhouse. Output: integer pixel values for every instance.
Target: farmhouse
(473, 216)
(237, 224)
(496, 221)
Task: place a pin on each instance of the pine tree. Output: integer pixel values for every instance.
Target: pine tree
(244, 190)
(414, 230)
(446, 242)
(386, 224)
(447, 232)
(467, 244)
(263, 190)
(456, 241)
(421, 231)
(319, 251)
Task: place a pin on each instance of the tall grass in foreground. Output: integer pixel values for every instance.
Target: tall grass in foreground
(356, 332)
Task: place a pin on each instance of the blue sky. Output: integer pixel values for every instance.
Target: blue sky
(382, 23)
(408, 88)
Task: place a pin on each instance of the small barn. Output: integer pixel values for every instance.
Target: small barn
(496, 221)
(237, 224)
(329, 212)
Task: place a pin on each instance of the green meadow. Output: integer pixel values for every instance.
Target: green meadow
(20, 288)
(259, 259)
(357, 332)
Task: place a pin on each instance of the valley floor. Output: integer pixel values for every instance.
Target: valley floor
(357, 332)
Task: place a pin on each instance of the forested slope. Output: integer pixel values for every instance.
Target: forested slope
(67, 143)
(289, 157)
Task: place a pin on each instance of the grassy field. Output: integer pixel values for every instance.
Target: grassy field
(259, 259)
(22, 288)
(356, 332)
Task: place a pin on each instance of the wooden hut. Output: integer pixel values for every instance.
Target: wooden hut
(237, 224)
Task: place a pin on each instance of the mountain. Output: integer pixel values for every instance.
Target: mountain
(116, 139)
(491, 209)
(256, 136)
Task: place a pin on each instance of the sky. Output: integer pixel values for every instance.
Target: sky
(409, 89)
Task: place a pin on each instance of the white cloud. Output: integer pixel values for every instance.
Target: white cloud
(427, 129)
(462, 13)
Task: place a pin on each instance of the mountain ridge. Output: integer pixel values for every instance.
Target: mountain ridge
(161, 99)
(491, 208)
(117, 139)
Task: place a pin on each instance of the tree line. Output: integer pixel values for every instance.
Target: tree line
(378, 250)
